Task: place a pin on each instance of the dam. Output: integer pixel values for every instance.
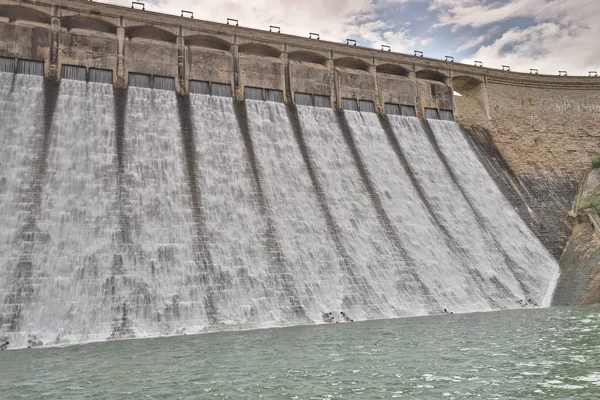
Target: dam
(161, 176)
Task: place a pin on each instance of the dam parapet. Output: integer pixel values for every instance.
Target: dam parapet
(102, 43)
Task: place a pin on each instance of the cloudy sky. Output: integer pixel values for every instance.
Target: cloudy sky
(549, 35)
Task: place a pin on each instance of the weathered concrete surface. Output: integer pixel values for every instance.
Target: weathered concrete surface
(80, 32)
(536, 141)
(580, 267)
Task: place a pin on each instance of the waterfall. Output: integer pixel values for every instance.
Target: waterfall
(159, 287)
(470, 236)
(139, 212)
(371, 250)
(30, 67)
(451, 285)
(532, 262)
(21, 99)
(74, 73)
(70, 232)
(244, 241)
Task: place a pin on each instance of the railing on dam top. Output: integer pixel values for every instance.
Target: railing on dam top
(136, 48)
(132, 24)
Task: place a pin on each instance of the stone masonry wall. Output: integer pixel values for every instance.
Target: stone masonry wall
(536, 146)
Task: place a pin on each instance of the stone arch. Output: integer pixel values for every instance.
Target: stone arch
(352, 63)
(24, 13)
(150, 32)
(465, 84)
(432, 75)
(209, 42)
(308, 57)
(88, 23)
(259, 49)
(392, 69)
(471, 88)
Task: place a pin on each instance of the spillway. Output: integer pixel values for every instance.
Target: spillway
(140, 212)
(531, 263)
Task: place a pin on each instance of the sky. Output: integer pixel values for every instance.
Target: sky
(549, 35)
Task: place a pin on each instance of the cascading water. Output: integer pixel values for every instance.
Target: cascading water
(63, 232)
(158, 282)
(74, 252)
(296, 216)
(246, 290)
(442, 266)
(21, 105)
(373, 254)
(138, 212)
(470, 237)
(532, 263)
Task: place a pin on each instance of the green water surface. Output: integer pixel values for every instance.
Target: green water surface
(533, 353)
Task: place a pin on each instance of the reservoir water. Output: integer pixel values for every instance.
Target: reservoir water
(517, 354)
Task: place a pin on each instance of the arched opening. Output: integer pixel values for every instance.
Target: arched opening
(259, 49)
(150, 32)
(209, 42)
(392, 69)
(351, 63)
(91, 24)
(24, 13)
(467, 94)
(464, 85)
(307, 57)
(431, 75)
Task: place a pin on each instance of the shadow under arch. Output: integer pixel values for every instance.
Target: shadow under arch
(392, 69)
(465, 84)
(432, 75)
(208, 42)
(24, 13)
(351, 63)
(150, 32)
(259, 49)
(308, 57)
(88, 23)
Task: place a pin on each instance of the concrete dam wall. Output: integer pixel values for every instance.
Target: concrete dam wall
(162, 176)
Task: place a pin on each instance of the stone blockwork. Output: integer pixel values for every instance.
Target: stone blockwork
(124, 40)
(542, 200)
(537, 142)
(558, 128)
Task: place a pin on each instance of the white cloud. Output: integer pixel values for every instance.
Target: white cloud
(334, 20)
(563, 36)
(469, 44)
